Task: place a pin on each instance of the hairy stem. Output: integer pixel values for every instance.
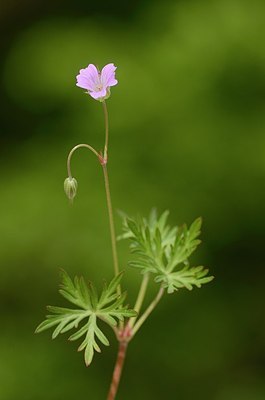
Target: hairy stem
(140, 299)
(117, 370)
(148, 311)
(72, 152)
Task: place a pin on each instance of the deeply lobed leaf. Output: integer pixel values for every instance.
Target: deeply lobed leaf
(108, 307)
(165, 251)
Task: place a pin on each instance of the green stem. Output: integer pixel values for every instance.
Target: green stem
(148, 311)
(111, 221)
(72, 152)
(108, 196)
(140, 299)
(117, 371)
(106, 117)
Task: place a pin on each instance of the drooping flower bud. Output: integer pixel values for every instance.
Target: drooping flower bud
(70, 188)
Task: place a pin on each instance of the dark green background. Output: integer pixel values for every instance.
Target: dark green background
(187, 134)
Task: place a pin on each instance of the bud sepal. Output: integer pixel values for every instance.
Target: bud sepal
(70, 188)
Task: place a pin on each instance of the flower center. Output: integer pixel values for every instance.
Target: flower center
(98, 87)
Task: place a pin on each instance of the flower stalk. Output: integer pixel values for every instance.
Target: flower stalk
(103, 161)
(111, 221)
(72, 152)
(108, 196)
(106, 118)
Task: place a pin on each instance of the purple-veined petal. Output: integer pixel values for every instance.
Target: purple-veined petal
(108, 75)
(99, 94)
(91, 72)
(83, 82)
(88, 77)
(112, 82)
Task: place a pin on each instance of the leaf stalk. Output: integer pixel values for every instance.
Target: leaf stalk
(140, 298)
(148, 311)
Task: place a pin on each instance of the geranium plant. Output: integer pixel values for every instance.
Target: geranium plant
(159, 252)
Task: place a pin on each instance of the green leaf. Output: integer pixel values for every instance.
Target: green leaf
(107, 307)
(186, 277)
(108, 294)
(164, 251)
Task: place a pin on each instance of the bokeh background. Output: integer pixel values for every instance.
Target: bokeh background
(187, 134)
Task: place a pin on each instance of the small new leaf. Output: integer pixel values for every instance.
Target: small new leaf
(107, 307)
(165, 251)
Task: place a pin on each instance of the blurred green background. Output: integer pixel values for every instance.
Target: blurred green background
(187, 134)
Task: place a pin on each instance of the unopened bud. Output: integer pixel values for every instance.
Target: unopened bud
(70, 188)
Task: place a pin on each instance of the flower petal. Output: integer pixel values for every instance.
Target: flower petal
(88, 77)
(108, 75)
(83, 82)
(100, 94)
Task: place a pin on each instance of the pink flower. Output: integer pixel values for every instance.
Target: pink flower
(97, 83)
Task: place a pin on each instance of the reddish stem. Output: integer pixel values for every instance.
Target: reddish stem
(117, 370)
